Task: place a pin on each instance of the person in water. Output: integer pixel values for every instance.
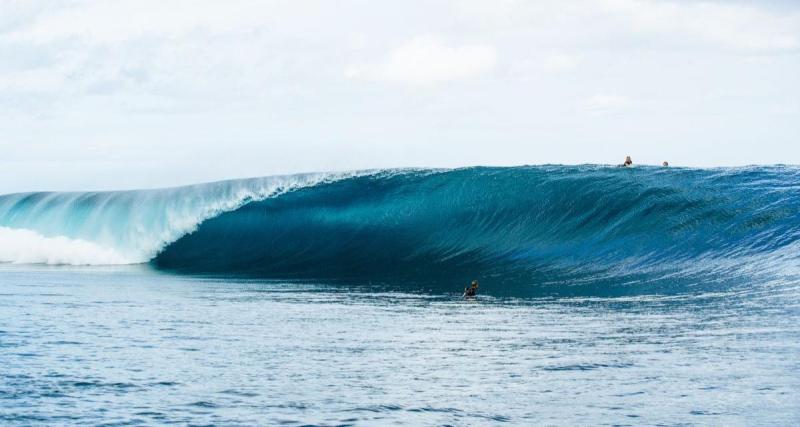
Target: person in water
(665, 164)
(472, 291)
(628, 161)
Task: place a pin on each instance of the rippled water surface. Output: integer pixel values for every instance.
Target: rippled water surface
(131, 346)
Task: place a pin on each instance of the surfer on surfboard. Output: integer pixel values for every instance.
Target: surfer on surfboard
(471, 291)
(627, 162)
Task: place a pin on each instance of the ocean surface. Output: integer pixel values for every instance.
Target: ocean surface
(609, 296)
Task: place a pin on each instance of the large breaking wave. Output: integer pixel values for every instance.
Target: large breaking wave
(565, 229)
(124, 227)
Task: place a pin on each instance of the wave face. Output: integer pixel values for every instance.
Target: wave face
(525, 230)
(582, 230)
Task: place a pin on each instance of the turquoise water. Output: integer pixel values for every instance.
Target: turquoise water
(133, 346)
(528, 231)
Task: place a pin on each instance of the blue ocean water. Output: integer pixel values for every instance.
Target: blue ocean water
(608, 296)
(133, 346)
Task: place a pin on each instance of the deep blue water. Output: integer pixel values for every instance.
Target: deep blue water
(656, 296)
(132, 346)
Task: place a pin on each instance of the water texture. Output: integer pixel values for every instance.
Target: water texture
(137, 347)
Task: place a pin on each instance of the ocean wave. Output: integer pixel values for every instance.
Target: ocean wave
(132, 225)
(584, 228)
(570, 228)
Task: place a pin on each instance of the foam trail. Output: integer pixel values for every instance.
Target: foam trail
(20, 246)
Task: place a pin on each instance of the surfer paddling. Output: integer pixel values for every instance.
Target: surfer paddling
(471, 291)
(627, 162)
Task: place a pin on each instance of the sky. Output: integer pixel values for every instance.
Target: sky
(120, 94)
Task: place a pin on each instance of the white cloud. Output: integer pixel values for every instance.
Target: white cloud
(560, 62)
(254, 87)
(606, 103)
(654, 24)
(114, 21)
(427, 60)
(733, 26)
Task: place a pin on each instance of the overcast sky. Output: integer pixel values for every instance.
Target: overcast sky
(136, 93)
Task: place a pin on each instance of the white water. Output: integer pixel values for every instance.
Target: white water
(21, 246)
